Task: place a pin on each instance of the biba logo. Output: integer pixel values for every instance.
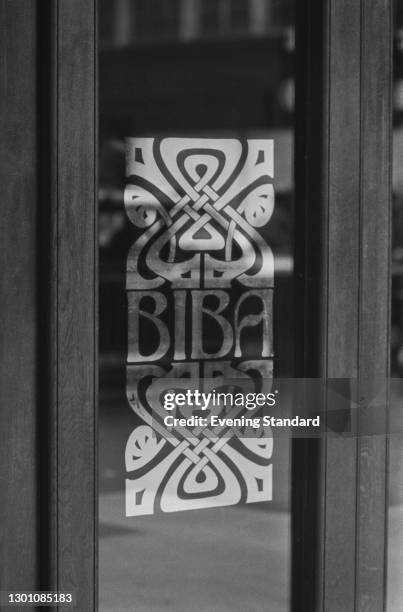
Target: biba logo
(199, 292)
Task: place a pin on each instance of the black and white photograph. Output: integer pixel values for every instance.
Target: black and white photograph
(201, 305)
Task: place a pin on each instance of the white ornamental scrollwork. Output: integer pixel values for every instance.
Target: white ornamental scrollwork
(200, 277)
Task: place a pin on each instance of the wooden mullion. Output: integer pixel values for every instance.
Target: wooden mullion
(19, 270)
(375, 300)
(76, 272)
(343, 200)
(342, 288)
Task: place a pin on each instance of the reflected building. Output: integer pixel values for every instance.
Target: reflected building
(127, 22)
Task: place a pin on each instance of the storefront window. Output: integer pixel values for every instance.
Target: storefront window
(193, 90)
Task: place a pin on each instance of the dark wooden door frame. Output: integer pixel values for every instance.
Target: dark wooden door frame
(72, 541)
(343, 208)
(19, 342)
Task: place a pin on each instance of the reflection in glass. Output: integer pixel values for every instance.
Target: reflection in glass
(190, 68)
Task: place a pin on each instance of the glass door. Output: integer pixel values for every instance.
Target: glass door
(196, 295)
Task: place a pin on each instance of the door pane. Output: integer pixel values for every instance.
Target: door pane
(196, 263)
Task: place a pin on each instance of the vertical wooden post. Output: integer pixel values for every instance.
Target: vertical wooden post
(74, 301)
(347, 183)
(19, 511)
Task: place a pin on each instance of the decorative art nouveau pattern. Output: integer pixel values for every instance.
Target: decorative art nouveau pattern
(199, 290)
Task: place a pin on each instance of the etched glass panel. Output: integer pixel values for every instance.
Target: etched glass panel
(196, 295)
(200, 277)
